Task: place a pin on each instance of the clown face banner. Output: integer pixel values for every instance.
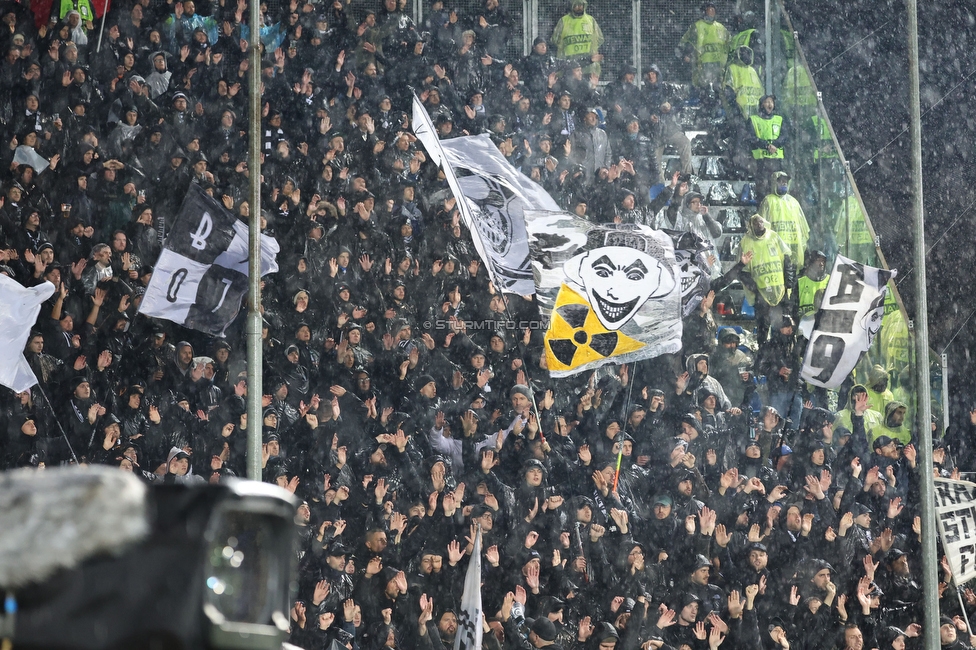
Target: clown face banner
(612, 293)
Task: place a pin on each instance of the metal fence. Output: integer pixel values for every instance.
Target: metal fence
(637, 33)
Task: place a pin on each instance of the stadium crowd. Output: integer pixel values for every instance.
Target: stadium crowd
(707, 499)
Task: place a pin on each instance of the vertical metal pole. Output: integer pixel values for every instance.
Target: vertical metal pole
(795, 151)
(636, 14)
(254, 350)
(769, 48)
(848, 194)
(930, 561)
(822, 212)
(527, 36)
(534, 22)
(945, 392)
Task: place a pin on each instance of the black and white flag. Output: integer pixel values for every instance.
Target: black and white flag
(955, 510)
(693, 254)
(493, 199)
(201, 275)
(847, 322)
(470, 632)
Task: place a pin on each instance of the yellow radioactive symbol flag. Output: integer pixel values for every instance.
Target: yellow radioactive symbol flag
(576, 336)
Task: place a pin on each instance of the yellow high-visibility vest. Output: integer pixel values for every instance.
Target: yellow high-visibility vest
(576, 38)
(767, 128)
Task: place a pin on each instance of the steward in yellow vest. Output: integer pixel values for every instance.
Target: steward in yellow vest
(813, 282)
(578, 37)
(742, 80)
(785, 216)
(770, 270)
(706, 46)
(769, 135)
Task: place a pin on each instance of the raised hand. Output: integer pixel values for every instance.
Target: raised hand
(621, 518)
(401, 582)
(751, 592)
(729, 479)
(735, 604)
(532, 577)
(520, 595)
(715, 637)
(586, 629)
(845, 523)
(325, 620)
(707, 518)
(813, 487)
(895, 508)
(426, 610)
(667, 617)
(585, 455)
(754, 535)
(298, 614)
(870, 566)
(322, 588)
(806, 524)
(492, 556)
(716, 622)
(722, 537)
(596, 532)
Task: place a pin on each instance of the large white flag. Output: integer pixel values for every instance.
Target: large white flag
(201, 275)
(611, 293)
(19, 307)
(492, 197)
(469, 631)
(955, 510)
(847, 322)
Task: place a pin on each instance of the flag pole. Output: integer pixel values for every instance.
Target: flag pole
(57, 422)
(962, 605)
(102, 29)
(255, 351)
(620, 457)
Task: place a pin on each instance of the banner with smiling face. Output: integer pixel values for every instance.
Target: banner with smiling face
(618, 297)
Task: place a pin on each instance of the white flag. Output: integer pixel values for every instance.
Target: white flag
(469, 631)
(955, 510)
(19, 307)
(847, 322)
(492, 197)
(611, 293)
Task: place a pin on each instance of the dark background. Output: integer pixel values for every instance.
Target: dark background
(858, 53)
